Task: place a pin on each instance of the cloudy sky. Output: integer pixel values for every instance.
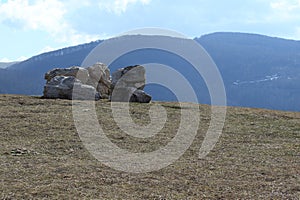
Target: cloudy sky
(30, 27)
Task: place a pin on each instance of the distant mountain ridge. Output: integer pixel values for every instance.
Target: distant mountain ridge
(78, 52)
(31, 71)
(258, 71)
(4, 65)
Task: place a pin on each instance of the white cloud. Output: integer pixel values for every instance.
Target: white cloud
(43, 15)
(7, 60)
(297, 34)
(46, 15)
(47, 49)
(286, 5)
(286, 10)
(76, 4)
(119, 6)
(22, 58)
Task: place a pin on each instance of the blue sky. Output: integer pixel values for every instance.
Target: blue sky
(30, 27)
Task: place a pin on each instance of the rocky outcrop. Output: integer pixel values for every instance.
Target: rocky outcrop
(132, 76)
(94, 83)
(61, 87)
(81, 73)
(99, 77)
(94, 79)
(128, 84)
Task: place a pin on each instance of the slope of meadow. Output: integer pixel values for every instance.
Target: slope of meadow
(42, 156)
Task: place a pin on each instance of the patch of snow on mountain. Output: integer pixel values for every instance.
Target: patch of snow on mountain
(267, 78)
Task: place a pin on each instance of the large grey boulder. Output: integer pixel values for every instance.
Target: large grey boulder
(61, 87)
(85, 92)
(128, 84)
(132, 76)
(99, 77)
(80, 73)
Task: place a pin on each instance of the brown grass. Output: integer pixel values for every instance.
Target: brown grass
(42, 156)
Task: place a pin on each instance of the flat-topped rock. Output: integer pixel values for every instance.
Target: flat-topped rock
(80, 73)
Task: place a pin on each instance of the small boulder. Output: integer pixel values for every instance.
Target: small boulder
(130, 94)
(140, 96)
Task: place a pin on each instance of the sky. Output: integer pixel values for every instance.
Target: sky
(31, 27)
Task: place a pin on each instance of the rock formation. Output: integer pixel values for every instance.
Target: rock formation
(94, 79)
(128, 84)
(61, 87)
(132, 76)
(94, 83)
(81, 73)
(99, 77)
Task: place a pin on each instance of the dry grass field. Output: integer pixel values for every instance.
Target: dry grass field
(42, 156)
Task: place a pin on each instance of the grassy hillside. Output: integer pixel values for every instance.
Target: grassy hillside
(257, 156)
